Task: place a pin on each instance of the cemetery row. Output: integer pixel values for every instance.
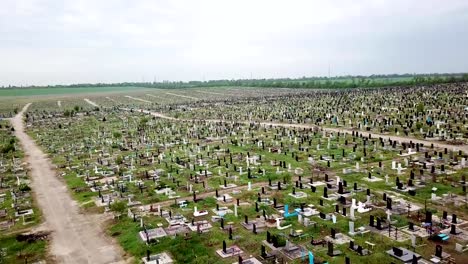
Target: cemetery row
(221, 192)
(18, 212)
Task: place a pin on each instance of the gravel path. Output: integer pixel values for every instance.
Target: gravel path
(76, 237)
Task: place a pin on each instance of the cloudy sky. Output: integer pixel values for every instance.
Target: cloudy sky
(88, 41)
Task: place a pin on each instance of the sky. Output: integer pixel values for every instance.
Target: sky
(106, 41)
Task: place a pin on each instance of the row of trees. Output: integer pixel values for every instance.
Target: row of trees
(304, 82)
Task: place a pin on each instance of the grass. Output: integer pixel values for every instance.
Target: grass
(194, 250)
(13, 251)
(59, 91)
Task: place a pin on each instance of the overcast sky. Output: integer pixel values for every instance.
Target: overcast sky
(88, 41)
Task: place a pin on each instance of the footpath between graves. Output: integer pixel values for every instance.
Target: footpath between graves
(76, 238)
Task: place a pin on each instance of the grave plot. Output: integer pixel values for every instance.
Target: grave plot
(18, 212)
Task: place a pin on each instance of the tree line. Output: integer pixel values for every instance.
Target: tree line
(304, 82)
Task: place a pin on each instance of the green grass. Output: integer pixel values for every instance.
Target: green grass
(194, 250)
(20, 252)
(59, 91)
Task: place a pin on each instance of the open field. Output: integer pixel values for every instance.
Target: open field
(64, 91)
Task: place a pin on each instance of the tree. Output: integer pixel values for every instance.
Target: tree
(420, 107)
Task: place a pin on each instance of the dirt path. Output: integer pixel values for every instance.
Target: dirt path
(91, 102)
(138, 99)
(185, 96)
(76, 238)
(463, 148)
(210, 93)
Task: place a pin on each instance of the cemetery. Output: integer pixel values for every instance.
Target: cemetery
(18, 211)
(245, 175)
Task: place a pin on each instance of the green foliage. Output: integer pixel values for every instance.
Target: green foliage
(72, 89)
(17, 252)
(24, 187)
(69, 113)
(419, 125)
(117, 134)
(10, 147)
(304, 82)
(119, 160)
(420, 107)
(144, 120)
(118, 207)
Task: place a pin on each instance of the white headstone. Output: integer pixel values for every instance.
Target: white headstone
(351, 227)
(389, 214)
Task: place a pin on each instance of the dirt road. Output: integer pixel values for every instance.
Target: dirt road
(76, 238)
(463, 148)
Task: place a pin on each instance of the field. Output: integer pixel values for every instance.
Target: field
(64, 91)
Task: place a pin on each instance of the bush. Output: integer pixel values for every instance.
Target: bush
(420, 108)
(8, 148)
(118, 207)
(24, 187)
